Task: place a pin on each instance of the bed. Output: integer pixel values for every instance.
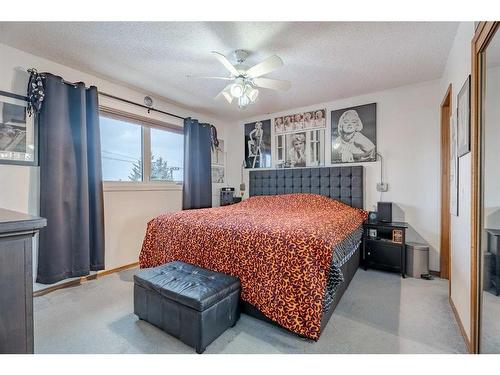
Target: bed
(293, 247)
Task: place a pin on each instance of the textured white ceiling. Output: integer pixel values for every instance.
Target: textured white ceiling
(323, 60)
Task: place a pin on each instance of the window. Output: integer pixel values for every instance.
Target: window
(280, 148)
(137, 150)
(315, 147)
(121, 149)
(167, 155)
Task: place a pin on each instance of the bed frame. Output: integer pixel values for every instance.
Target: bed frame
(342, 183)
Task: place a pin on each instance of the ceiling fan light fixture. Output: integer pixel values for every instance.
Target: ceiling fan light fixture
(251, 92)
(228, 96)
(243, 101)
(246, 82)
(237, 88)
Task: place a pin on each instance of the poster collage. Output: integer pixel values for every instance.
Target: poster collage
(299, 139)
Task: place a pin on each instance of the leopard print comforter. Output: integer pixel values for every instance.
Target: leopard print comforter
(280, 247)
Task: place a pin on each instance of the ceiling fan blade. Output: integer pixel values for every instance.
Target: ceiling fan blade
(266, 66)
(225, 94)
(198, 77)
(273, 84)
(223, 59)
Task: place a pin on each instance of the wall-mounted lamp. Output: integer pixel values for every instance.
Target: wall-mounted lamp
(242, 184)
(382, 186)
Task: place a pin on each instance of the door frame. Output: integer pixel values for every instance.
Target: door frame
(445, 238)
(482, 37)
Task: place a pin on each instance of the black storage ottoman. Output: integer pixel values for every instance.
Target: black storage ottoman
(188, 302)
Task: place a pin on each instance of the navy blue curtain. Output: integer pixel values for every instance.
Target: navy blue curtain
(71, 195)
(197, 189)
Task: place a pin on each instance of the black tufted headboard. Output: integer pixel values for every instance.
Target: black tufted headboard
(342, 183)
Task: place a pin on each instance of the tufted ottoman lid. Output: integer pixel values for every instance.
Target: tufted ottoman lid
(187, 284)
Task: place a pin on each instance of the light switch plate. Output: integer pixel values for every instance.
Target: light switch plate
(382, 187)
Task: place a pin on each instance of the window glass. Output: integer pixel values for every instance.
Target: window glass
(280, 156)
(315, 147)
(167, 155)
(121, 148)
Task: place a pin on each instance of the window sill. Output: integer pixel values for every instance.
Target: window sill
(110, 186)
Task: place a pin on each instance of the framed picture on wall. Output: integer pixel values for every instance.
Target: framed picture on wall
(300, 139)
(258, 144)
(18, 133)
(300, 121)
(217, 174)
(217, 156)
(463, 118)
(354, 134)
(218, 163)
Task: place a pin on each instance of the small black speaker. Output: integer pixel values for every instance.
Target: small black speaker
(384, 211)
(226, 196)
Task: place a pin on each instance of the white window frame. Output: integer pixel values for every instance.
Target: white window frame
(146, 124)
(315, 141)
(283, 149)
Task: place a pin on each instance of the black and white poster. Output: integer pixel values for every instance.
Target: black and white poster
(17, 133)
(300, 121)
(354, 134)
(217, 174)
(218, 163)
(300, 139)
(296, 149)
(217, 156)
(300, 149)
(258, 144)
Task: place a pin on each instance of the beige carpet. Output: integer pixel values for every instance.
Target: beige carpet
(379, 313)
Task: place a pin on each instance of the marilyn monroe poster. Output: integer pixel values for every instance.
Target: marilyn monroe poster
(300, 121)
(354, 134)
(258, 144)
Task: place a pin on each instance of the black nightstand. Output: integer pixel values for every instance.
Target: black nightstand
(235, 200)
(381, 251)
(226, 196)
(227, 199)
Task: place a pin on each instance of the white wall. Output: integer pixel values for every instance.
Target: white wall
(126, 211)
(407, 138)
(457, 69)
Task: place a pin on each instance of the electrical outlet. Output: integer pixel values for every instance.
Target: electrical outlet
(382, 187)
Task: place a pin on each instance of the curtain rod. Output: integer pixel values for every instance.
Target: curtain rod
(131, 102)
(140, 105)
(25, 98)
(13, 96)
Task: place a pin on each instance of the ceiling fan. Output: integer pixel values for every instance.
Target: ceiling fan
(248, 80)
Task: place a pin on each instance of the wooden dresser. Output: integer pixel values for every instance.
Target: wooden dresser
(16, 280)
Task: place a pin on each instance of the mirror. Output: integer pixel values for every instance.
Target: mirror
(490, 199)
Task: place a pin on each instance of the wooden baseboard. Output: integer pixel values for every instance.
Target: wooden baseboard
(83, 279)
(117, 269)
(461, 326)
